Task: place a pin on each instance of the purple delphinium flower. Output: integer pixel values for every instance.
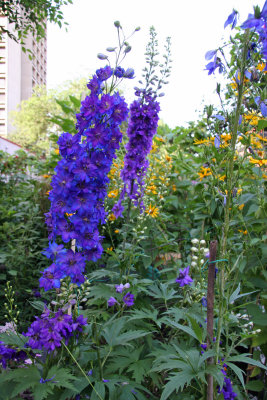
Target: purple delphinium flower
(142, 127)
(8, 354)
(128, 299)
(213, 65)
(232, 19)
(258, 22)
(184, 278)
(48, 331)
(111, 302)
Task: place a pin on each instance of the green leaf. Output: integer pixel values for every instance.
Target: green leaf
(38, 305)
(183, 328)
(13, 338)
(255, 386)
(75, 101)
(196, 328)
(100, 389)
(247, 360)
(237, 371)
(178, 381)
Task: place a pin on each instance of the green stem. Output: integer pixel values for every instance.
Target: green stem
(230, 181)
(82, 371)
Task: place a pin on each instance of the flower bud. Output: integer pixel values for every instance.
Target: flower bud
(194, 241)
(193, 264)
(117, 24)
(102, 56)
(110, 49)
(137, 29)
(127, 49)
(202, 241)
(194, 249)
(129, 73)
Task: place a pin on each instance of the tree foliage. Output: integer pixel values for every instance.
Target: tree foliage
(31, 16)
(33, 121)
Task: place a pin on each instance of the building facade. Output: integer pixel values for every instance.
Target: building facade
(18, 74)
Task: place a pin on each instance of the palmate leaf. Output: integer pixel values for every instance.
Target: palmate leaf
(162, 291)
(140, 369)
(41, 391)
(177, 382)
(113, 336)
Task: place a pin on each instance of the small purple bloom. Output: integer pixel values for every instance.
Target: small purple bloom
(184, 278)
(217, 141)
(112, 301)
(204, 302)
(128, 299)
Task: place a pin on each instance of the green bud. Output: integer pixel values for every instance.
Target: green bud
(117, 24)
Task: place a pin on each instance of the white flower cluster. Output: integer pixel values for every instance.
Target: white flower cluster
(199, 250)
(248, 326)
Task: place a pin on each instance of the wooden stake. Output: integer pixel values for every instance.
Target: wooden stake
(210, 311)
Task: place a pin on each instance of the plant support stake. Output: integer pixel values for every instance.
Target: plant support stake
(210, 310)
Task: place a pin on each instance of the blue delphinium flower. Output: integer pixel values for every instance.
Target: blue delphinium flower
(80, 183)
(184, 278)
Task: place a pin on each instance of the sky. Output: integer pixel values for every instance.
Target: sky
(194, 27)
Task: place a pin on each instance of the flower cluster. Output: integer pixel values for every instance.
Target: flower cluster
(128, 298)
(199, 251)
(258, 22)
(8, 354)
(48, 331)
(79, 185)
(142, 127)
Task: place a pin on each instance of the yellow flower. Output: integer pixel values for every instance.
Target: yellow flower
(174, 188)
(154, 148)
(241, 207)
(259, 162)
(252, 118)
(47, 193)
(168, 158)
(244, 232)
(113, 193)
(264, 176)
(159, 139)
(109, 248)
(111, 217)
(204, 172)
(261, 66)
(222, 178)
(46, 176)
(68, 215)
(153, 211)
(117, 231)
(261, 137)
(57, 151)
(239, 191)
(202, 141)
